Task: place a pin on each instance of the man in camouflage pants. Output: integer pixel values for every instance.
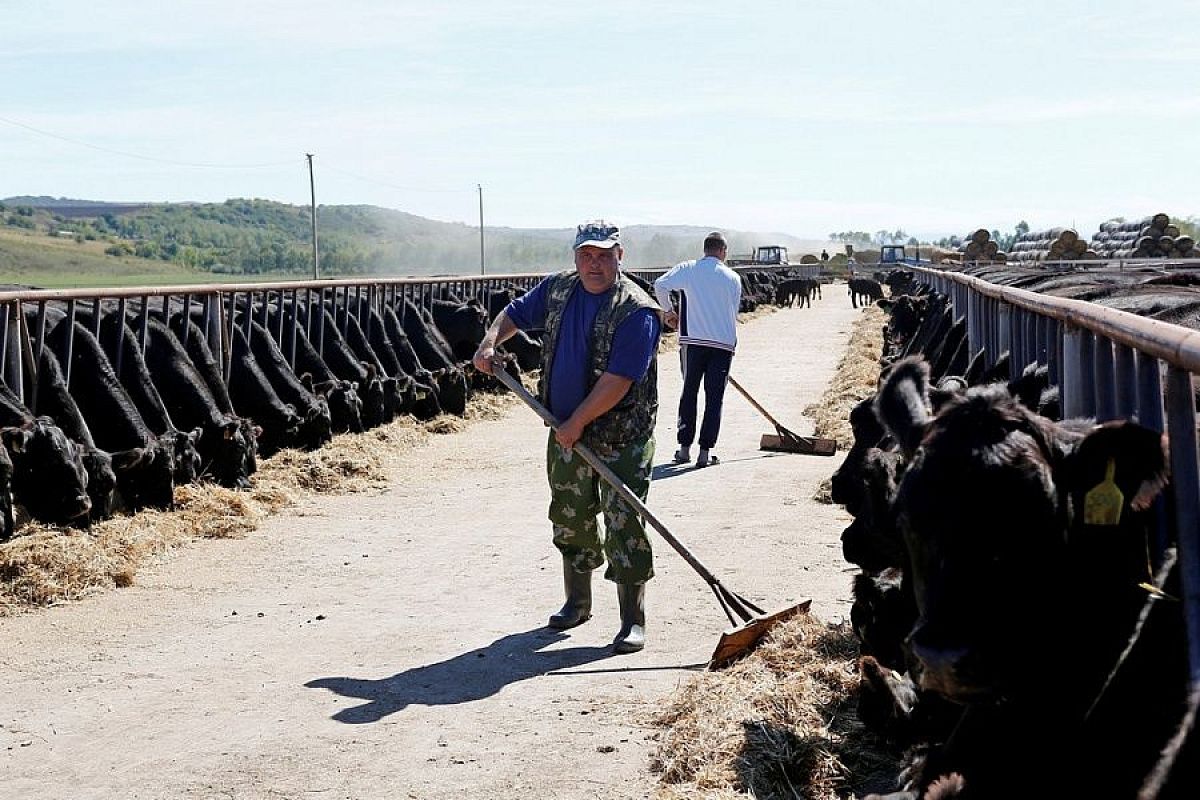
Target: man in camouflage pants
(599, 378)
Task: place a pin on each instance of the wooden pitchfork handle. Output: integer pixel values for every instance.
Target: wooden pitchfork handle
(627, 495)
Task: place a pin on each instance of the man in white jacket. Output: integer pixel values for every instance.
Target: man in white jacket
(709, 295)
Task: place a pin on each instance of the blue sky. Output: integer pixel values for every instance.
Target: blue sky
(932, 116)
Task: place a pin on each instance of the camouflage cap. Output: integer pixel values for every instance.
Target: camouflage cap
(597, 233)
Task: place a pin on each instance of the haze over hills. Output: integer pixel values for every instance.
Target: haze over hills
(261, 237)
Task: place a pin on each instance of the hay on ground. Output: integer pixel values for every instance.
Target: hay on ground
(44, 564)
(780, 723)
(856, 377)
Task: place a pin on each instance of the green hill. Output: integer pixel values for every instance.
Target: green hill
(46, 241)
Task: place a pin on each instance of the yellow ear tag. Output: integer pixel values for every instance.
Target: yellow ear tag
(1102, 504)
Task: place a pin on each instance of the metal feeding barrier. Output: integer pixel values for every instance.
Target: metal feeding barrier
(1108, 364)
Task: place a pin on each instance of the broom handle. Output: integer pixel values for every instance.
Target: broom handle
(609, 476)
(753, 402)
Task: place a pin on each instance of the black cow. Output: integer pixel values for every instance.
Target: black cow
(434, 354)
(339, 358)
(1028, 587)
(866, 290)
(48, 477)
(316, 429)
(461, 324)
(254, 397)
(136, 379)
(345, 404)
(425, 403)
(144, 462)
(228, 447)
(54, 401)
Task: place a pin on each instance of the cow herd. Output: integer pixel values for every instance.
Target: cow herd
(126, 404)
(1018, 620)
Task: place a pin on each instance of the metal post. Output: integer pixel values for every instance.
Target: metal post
(321, 322)
(185, 320)
(12, 349)
(1181, 409)
(1087, 371)
(1104, 378)
(118, 366)
(295, 329)
(1004, 340)
(1126, 379)
(1071, 390)
(1149, 392)
(144, 324)
(70, 342)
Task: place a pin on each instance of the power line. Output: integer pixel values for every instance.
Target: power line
(142, 157)
(393, 185)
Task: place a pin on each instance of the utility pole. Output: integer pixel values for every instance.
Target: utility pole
(481, 269)
(313, 190)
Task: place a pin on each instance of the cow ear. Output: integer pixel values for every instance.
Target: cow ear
(257, 431)
(1136, 456)
(128, 459)
(230, 428)
(902, 403)
(886, 304)
(306, 380)
(195, 433)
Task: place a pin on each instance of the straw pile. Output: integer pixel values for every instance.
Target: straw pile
(780, 723)
(1149, 237)
(44, 565)
(857, 377)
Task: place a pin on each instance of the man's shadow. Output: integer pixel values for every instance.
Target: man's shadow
(472, 675)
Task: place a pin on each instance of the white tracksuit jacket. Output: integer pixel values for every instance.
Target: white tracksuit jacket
(710, 295)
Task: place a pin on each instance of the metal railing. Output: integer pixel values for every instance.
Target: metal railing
(1108, 364)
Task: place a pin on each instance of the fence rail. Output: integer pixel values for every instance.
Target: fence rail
(1108, 364)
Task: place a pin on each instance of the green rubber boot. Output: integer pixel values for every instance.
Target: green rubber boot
(578, 608)
(632, 636)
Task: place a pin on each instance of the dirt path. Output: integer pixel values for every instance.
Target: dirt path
(393, 645)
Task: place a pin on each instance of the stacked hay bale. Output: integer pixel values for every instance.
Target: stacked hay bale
(1055, 244)
(1150, 237)
(979, 246)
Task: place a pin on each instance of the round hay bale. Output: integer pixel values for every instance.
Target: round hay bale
(1185, 243)
(1068, 237)
(809, 258)
(1171, 230)
(990, 249)
(1160, 221)
(981, 236)
(973, 250)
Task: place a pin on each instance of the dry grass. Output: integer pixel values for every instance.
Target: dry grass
(780, 723)
(857, 377)
(43, 564)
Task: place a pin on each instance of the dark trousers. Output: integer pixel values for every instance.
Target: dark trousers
(710, 366)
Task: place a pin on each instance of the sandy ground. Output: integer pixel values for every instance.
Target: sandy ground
(393, 645)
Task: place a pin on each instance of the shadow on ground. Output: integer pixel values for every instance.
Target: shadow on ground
(472, 675)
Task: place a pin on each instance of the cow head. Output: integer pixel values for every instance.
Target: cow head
(146, 475)
(187, 461)
(345, 406)
(102, 481)
(317, 426)
(49, 478)
(990, 510)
